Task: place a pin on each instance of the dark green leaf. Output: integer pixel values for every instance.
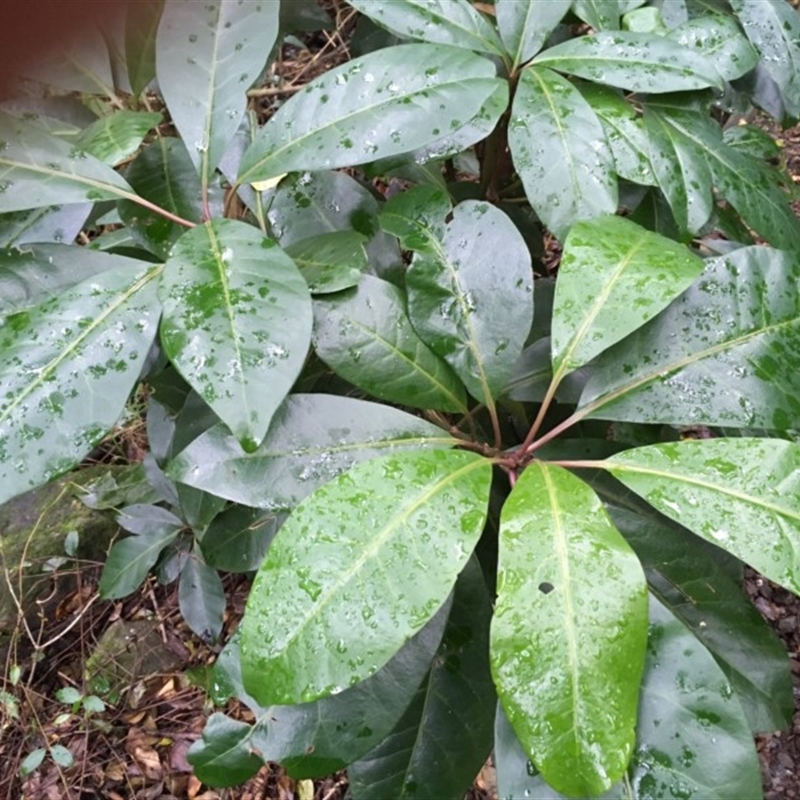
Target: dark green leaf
(224, 756)
(560, 152)
(417, 217)
(471, 308)
(725, 353)
(201, 598)
(129, 561)
(639, 62)
(614, 276)
(207, 56)
(149, 519)
(237, 539)
(602, 15)
(372, 107)
(237, 322)
(533, 374)
(752, 141)
(524, 27)
(55, 224)
(312, 439)
(451, 22)
(365, 336)
(569, 631)
(330, 262)
(445, 736)
(141, 24)
(414, 518)
(64, 384)
(112, 139)
(37, 169)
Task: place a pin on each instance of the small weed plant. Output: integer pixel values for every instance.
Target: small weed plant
(494, 503)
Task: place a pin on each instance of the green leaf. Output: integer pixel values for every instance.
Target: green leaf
(417, 217)
(37, 169)
(413, 518)
(614, 276)
(719, 37)
(365, 336)
(774, 28)
(67, 367)
(724, 353)
(237, 539)
(140, 518)
(68, 695)
(330, 262)
(207, 56)
(690, 580)
(533, 374)
(237, 322)
(569, 631)
(61, 756)
(450, 22)
(32, 761)
(201, 598)
(112, 139)
(599, 14)
(55, 224)
(129, 561)
(141, 24)
(224, 755)
(312, 439)
(372, 107)
(560, 152)
(472, 309)
(739, 494)
(525, 27)
(638, 62)
(445, 736)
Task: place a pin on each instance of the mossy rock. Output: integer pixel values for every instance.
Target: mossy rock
(33, 531)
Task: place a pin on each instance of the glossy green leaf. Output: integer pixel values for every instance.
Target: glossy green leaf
(614, 276)
(207, 56)
(312, 439)
(141, 24)
(141, 518)
(750, 186)
(533, 374)
(330, 262)
(560, 152)
(116, 137)
(470, 307)
(224, 755)
(692, 583)
(445, 736)
(315, 739)
(638, 62)
(372, 107)
(413, 518)
(524, 27)
(724, 353)
(129, 562)
(237, 322)
(201, 598)
(42, 272)
(56, 224)
(720, 38)
(237, 539)
(450, 22)
(739, 494)
(753, 141)
(67, 367)
(164, 174)
(602, 15)
(417, 217)
(569, 631)
(365, 336)
(38, 169)
(774, 28)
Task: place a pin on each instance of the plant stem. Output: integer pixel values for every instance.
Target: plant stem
(160, 211)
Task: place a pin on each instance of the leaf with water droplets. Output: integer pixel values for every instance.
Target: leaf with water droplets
(114, 138)
(614, 277)
(364, 335)
(726, 352)
(739, 494)
(524, 27)
(224, 756)
(38, 169)
(602, 15)
(330, 262)
(560, 151)
(638, 62)
(201, 597)
(469, 305)
(67, 367)
(450, 22)
(207, 56)
(312, 439)
(417, 217)
(237, 322)
(372, 107)
(237, 539)
(57, 224)
(450, 714)
(359, 567)
(569, 631)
